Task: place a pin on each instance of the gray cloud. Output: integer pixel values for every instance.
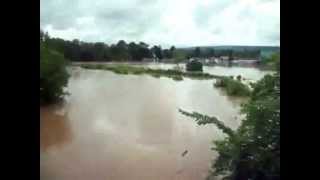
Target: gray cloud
(60, 14)
(177, 22)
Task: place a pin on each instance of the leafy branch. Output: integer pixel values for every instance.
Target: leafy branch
(204, 119)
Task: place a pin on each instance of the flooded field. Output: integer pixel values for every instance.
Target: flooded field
(119, 127)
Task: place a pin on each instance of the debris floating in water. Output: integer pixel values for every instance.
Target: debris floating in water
(184, 153)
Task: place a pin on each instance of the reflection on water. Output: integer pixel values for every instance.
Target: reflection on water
(128, 127)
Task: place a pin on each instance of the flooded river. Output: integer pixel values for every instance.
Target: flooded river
(127, 127)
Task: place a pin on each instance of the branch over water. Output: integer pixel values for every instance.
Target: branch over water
(204, 119)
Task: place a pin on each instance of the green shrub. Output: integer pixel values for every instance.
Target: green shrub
(53, 75)
(233, 87)
(253, 150)
(271, 63)
(194, 66)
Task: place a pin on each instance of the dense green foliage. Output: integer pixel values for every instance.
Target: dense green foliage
(76, 50)
(171, 73)
(253, 150)
(194, 66)
(53, 75)
(233, 87)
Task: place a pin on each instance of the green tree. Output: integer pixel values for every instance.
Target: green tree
(144, 51)
(138, 51)
(106, 54)
(134, 51)
(166, 53)
(157, 51)
(120, 51)
(172, 48)
(72, 50)
(99, 51)
(53, 75)
(76, 50)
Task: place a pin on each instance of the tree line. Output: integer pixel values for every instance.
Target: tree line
(232, 54)
(76, 50)
(53, 73)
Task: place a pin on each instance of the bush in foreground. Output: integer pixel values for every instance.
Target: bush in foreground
(53, 75)
(253, 150)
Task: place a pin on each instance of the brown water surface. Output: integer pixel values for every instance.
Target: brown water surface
(127, 127)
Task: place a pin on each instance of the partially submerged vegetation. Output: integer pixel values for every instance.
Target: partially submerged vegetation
(253, 150)
(170, 73)
(194, 66)
(233, 87)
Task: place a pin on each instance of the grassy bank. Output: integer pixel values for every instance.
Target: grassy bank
(170, 73)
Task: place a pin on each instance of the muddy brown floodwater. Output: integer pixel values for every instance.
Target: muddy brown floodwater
(127, 127)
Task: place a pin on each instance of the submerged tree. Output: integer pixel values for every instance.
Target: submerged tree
(253, 150)
(194, 66)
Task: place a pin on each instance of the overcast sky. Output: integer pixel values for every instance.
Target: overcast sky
(164, 22)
